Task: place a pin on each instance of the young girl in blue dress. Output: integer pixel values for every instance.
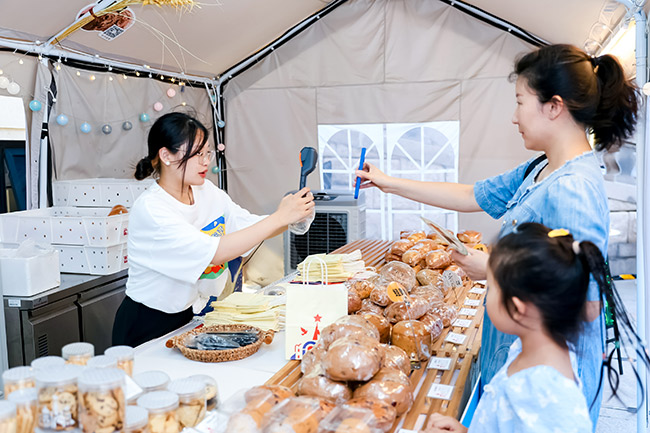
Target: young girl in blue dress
(538, 281)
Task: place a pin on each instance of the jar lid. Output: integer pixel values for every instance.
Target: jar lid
(208, 380)
(158, 401)
(23, 396)
(74, 369)
(56, 376)
(77, 349)
(187, 387)
(7, 409)
(18, 374)
(47, 362)
(102, 361)
(122, 353)
(151, 379)
(101, 378)
(135, 417)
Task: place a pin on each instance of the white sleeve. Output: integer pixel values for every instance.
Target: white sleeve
(162, 241)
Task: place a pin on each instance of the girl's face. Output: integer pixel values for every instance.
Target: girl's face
(529, 117)
(496, 308)
(196, 167)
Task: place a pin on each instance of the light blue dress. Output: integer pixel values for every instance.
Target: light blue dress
(573, 197)
(537, 399)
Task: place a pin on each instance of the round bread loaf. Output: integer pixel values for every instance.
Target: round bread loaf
(389, 388)
(399, 311)
(428, 276)
(368, 306)
(312, 359)
(317, 384)
(430, 293)
(434, 325)
(448, 313)
(384, 413)
(381, 323)
(413, 337)
(394, 357)
(347, 326)
(362, 287)
(297, 414)
(353, 358)
(379, 294)
(354, 302)
(399, 272)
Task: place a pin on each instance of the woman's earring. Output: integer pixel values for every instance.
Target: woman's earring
(166, 162)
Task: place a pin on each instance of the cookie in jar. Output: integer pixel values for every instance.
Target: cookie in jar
(101, 400)
(7, 417)
(191, 401)
(211, 390)
(25, 400)
(136, 419)
(57, 399)
(124, 356)
(77, 353)
(161, 406)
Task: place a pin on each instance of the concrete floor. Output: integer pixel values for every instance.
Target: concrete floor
(614, 415)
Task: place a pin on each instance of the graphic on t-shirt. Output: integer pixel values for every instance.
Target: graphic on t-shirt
(216, 228)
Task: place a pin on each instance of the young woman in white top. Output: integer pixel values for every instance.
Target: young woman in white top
(183, 230)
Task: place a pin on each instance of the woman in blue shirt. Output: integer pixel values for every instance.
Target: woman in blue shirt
(562, 93)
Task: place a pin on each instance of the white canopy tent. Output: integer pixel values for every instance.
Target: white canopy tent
(275, 71)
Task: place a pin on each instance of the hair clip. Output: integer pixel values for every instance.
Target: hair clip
(557, 233)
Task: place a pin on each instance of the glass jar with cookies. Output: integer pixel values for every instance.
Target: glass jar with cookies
(77, 353)
(124, 356)
(25, 400)
(57, 399)
(153, 380)
(47, 362)
(191, 395)
(18, 378)
(161, 406)
(137, 419)
(211, 390)
(101, 400)
(7, 417)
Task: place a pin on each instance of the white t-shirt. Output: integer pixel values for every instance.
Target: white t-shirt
(171, 246)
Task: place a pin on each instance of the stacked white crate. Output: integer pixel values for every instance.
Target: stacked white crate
(89, 241)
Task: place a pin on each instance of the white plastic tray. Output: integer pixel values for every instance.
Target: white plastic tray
(101, 192)
(92, 260)
(65, 225)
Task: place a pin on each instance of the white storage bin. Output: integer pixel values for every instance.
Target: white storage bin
(27, 276)
(102, 192)
(92, 260)
(65, 225)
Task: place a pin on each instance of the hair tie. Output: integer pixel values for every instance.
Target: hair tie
(557, 233)
(576, 247)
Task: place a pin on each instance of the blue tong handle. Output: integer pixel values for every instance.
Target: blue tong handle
(361, 162)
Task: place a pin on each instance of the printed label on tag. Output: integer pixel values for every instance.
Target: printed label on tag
(473, 302)
(468, 312)
(462, 323)
(452, 337)
(397, 293)
(13, 302)
(441, 392)
(451, 280)
(477, 290)
(439, 363)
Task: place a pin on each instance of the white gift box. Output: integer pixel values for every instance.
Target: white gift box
(28, 276)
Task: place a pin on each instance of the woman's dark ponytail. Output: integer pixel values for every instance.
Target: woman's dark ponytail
(617, 109)
(144, 168)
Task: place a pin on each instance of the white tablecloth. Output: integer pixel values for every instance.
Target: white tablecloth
(231, 376)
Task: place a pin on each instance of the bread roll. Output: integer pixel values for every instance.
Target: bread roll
(354, 358)
(430, 293)
(259, 401)
(426, 243)
(384, 413)
(312, 359)
(394, 357)
(399, 311)
(457, 269)
(438, 259)
(380, 322)
(400, 247)
(297, 415)
(448, 313)
(399, 272)
(317, 384)
(434, 325)
(390, 389)
(416, 236)
(379, 294)
(347, 326)
(117, 210)
(367, 306)
(470, 237)
(413, 337)
(412, 257)
(354, 302)
(390, 257)
(362, 287)
(428, 276)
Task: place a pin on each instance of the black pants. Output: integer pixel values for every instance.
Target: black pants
(136, 323)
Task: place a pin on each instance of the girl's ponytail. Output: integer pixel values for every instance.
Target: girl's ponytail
(144, 168)
(616, 114)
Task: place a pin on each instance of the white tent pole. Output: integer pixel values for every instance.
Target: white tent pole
(43, 154)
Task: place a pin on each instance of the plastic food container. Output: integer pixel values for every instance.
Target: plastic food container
(191, 396)
(46, 362)
(102, 361)
(25, 400)
(101, 400)
(7, 417)
(77, 353)
(136, 419)
(211, 390)
(161, 406)
(124, 356)
(18, 378)
(57, 399)
(349, 419)
(153, 380)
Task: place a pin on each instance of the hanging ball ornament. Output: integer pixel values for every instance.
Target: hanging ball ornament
(35, 105)
(158, 106)
(127, 126)
(144, 117)
(62, 119)
(171, 93)
(221, 147)
(107, 129)
(13, 88)
(85, 127)
(221, 124)
(4, 82)
(215, 170)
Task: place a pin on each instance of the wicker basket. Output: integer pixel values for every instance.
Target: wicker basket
(220, 355)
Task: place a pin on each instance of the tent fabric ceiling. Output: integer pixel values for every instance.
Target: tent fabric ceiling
(221, 33)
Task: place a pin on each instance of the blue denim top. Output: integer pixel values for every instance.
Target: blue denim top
(573, 197)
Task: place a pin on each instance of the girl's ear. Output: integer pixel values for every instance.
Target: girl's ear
(164, 155)
(520, 308)
(555, 106)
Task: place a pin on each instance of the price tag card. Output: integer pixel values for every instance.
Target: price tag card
(462, 323)
(473, 302)
(477, 290)
(439, 363)
(441, 392)
(452, 337)
(451, 280)
(468, 312)
(397, 293)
